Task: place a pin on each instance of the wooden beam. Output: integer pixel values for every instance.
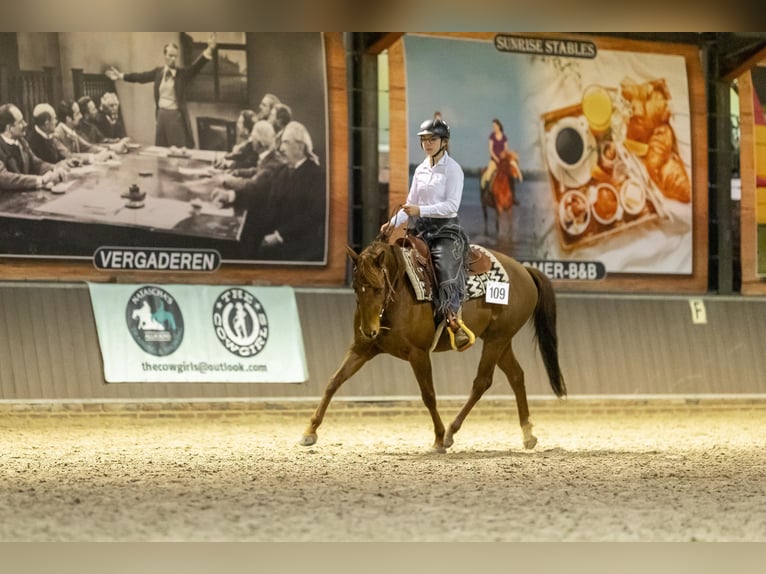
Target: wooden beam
(383, 42)
(746, 64)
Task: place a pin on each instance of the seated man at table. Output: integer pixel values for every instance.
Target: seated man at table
(87, 127)
(40, 135)
(89, 130)
(280, 116)
(297, 205)
(73, 145)
(108, 118)
(248, 189)
(20, 168)
(242, 154)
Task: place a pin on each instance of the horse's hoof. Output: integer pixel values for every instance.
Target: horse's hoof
(448, 441)
(530, 442)
(308, 440)
(439, 449)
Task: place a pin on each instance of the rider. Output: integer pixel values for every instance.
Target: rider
(431, 212)
(498, 148)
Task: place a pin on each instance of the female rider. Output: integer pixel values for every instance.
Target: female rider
(431, 212)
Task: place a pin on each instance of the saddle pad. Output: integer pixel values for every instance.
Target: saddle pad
(475, 286)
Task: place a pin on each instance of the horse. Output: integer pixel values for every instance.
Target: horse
(146, 321)
(389, 319)
(498, 191)
(162, 316)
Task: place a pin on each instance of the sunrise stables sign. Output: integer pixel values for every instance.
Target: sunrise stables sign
(545, 46)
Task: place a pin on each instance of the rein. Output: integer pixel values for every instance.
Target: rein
(385, 236)
(390, 295)
(389, 285)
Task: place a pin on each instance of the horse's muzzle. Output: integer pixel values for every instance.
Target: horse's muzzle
(369, 332)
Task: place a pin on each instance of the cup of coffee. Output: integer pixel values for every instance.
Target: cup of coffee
(569, 150)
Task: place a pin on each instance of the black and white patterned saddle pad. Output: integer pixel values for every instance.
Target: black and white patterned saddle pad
(475, 286)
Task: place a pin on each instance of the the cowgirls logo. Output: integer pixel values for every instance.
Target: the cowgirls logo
(240, 322)
(155, 320)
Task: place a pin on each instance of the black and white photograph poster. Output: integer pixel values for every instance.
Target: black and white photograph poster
(212, 141)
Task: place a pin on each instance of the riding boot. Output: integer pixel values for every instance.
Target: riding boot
(460, 336)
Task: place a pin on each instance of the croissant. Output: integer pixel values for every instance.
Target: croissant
(660, 147)
(662, 86)
(648, 107)
(634, 91)
(674, 181)
(639, 128)
(657, 108)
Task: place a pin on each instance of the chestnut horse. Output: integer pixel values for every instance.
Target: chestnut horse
(389, 319)
(498, 192)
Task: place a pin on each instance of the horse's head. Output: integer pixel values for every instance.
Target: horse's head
(509, 165)
(372, 285)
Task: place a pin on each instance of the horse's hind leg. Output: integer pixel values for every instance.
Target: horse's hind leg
(510, 366)
(481, 384)
(352, 362)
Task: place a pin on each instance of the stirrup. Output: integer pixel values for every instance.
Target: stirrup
(461, 326)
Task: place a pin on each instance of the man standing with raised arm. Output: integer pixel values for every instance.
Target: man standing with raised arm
(170, 81)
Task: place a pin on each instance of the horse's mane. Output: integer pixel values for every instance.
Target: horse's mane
(371, 260)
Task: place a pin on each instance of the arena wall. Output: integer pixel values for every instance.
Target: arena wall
(632, 346)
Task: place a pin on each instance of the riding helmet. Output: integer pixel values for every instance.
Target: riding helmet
(436, 127)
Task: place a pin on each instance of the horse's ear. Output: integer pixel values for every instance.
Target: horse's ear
(352, 254)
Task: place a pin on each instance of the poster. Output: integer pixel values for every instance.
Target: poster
(198, 333)
(179, 160)
(600, 142)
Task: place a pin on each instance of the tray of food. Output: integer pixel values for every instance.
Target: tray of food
(612, 161)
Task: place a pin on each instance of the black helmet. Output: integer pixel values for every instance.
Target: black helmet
(436, 127)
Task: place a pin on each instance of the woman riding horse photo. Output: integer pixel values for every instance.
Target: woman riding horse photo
(497, 185)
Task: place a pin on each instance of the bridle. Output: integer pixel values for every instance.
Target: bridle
(389, 291)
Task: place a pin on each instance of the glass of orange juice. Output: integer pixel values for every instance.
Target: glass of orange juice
(597, 108)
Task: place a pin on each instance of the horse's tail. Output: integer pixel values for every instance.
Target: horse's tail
(545, 330)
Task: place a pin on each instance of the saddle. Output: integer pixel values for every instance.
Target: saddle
(416, 250)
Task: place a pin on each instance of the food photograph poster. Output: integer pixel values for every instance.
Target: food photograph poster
(598, 164)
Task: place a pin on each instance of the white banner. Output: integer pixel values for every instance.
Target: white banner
(198, 333)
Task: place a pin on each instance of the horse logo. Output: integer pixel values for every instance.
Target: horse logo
(163, 317)
(145, 318)
(154, 320)
(240, 322)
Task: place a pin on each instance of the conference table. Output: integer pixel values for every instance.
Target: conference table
(94, 208)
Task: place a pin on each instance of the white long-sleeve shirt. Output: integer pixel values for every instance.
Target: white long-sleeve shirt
(437, 190)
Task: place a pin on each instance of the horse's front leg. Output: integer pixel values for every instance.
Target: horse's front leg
(355, 357)
(420, 361)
